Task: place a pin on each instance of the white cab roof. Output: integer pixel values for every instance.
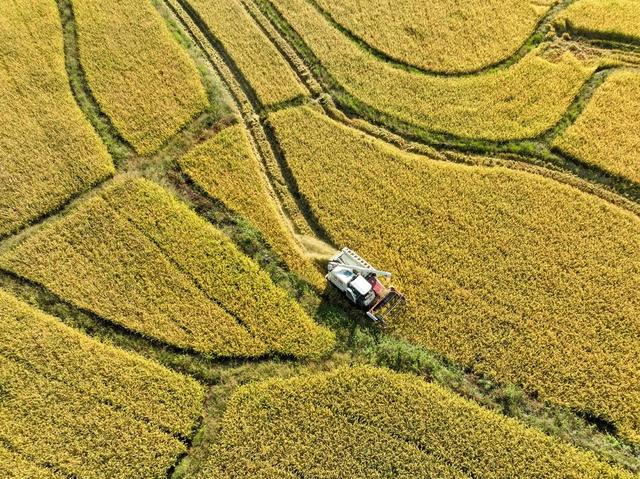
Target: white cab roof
(361, 285)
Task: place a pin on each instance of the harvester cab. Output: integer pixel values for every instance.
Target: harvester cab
(359, 282)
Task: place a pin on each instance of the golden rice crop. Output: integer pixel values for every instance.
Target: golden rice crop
(142, 79)
(371, 423)
(606, 133)
(616, 19)
(14, 466)
(226, 168)
(87, 412)
(528, 280)
(136, 256)
(48, 150)
(252, 52)
(138, 387)
(441, 36)
(521, 101)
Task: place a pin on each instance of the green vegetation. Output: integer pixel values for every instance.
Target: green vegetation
(525, 279)
(48, 151)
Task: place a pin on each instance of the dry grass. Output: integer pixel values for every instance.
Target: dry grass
(226, 168)
(83, 408)
(527, 280)
(521, 101)
(371, 423)
(606, 133)
(141, 77)
(616, 19)
(440, 35)
(136, 256)
(48, 150)
(256, 57)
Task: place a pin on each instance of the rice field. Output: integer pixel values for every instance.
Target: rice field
(441, 36)
(521, 101)
(606, 133)
(141, 77)
(48, 150)
(527, 280)
(226, 168)
(370, 423)
(613, 19)
(136, 256)
(252, 53)
(84, 409)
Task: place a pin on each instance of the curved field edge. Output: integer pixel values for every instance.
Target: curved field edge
(63, 156)
(551, 249)
(525, 108)
(382, 423)
(443, 58)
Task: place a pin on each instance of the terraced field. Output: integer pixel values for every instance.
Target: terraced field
(121, 255)
(141, 78)
(175, 174)
(367, 422)
(73, 405)
(442, 36)
(509, 308)
(63, 155)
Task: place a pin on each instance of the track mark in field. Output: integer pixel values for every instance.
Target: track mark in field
(280, 186)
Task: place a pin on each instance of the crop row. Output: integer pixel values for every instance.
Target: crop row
(15, 466)
(441, 36)
(226, 168)
(48, 150)
(612, 19)
(371, 423)
(606, 133)
(520, 101)
(266, 71)
(50, 414)
(136, 256)
(528, 280)
(141, 77)
(131, 384)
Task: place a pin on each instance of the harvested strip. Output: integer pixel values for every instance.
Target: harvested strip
(48, 150)
(613, 19)
(139, 387)
(221, 270)
(442, 36)
(80, 435)
(142, 79)
(606, 133)
(139, 258)
(525, 279)
(226, 168)
(521, 101)
(372, 423)
(255, 56)
(14, 466)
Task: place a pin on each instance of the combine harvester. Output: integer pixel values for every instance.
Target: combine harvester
(359, 282)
